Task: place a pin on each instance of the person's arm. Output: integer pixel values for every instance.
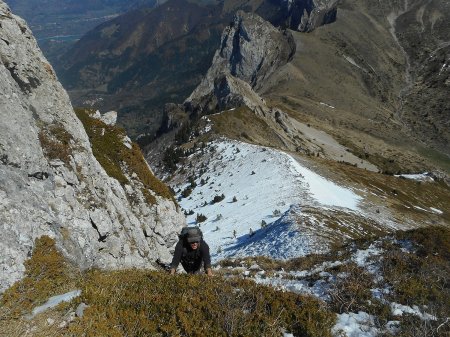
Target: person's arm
(176, 257)
(206, 258)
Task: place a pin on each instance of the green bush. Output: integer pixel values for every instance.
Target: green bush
(186, 192)
(217, 198)
(201, 217)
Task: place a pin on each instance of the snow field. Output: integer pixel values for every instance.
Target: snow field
(266, 184)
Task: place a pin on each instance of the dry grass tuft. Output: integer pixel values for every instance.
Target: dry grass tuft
(55, 142)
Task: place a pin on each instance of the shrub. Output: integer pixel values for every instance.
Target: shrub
(190, 212)
(186, 192)
(171, 158)
(114, 156)
(420, 277)
(217, 198)
(46, 274)
(351, 290)
(192, 182)
(201, 218)
(192, 305)
(55, 142)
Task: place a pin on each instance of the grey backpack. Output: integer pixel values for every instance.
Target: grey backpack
(191, 234)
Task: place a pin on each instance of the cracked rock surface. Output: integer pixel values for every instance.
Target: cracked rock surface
(71, 198)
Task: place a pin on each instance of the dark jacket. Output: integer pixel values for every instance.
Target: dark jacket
(190, 259)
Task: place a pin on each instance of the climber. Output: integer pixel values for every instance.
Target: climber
(192, 252)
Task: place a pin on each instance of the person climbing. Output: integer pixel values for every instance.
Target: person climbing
(192, 251)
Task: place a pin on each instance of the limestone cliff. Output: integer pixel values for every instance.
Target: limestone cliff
(52, 184)
(251, 50)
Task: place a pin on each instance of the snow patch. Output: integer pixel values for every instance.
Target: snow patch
(437, 211)
(352, 62)
(327, 105)
(359, 324)
(54, 301)
(399, 309)
(361, 258)
(325, 191)
(419, 176)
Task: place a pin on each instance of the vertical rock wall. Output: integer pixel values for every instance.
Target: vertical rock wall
(51, 183)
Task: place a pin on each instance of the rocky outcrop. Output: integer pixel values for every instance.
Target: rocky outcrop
(299, 15)
(51, 183)
(319, 13)
(251, 50)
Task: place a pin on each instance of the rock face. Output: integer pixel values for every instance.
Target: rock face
(322, 12)
(51, 183)
(251, 50)
(299, 15)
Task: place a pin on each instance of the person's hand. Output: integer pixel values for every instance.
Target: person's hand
(209, 272)
(172, 271)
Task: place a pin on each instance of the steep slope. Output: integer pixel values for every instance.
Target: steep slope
(51, 183)
(423, 30)
(251, 50)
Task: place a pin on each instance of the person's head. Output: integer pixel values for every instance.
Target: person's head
(194, 245)
(194, 241)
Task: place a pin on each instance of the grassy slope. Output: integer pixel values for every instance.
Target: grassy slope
(364, 94)
(142, 303)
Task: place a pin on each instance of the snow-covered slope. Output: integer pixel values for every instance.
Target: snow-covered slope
(265, 192)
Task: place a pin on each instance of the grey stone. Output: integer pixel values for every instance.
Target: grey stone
(109, 118)
(80, 309)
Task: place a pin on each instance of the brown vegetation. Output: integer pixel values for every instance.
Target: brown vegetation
(115, 157)
(154, 304)
(56, 142)
(47, 273)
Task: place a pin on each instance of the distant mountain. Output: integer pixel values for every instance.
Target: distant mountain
(354, 80)
(146, 58)
(57, 25)
(139, 61)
